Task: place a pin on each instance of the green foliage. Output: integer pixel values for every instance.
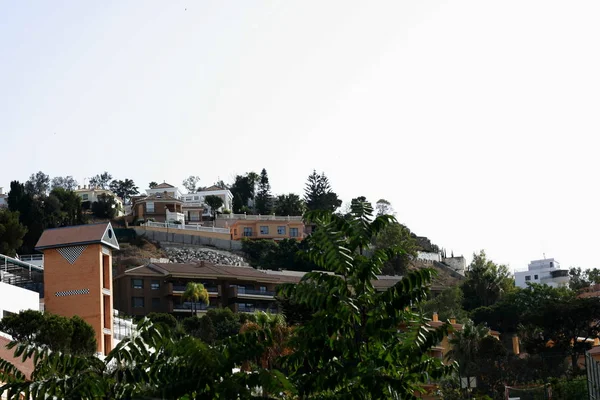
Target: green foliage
(243, 189)
(214, 202)
(318, 194)
(101, 180)
(264, 203)
(38, 184)
(191, 183)
(152, 185)
(105, 208)
(569, 389)
(289, 204)
(196, 292)
(64, 182)
(168, 321)
(447, 304)
(61, 334)
(486, 282)
(69, 210)
(398, 235)
(581, 279)
(224, 321)
(283, 254)
(12, 232)
(384, 207)
(359, 343)
(257, 251)
(466, 346)
(124, 189)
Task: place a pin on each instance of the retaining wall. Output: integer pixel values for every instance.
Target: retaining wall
(197, 238)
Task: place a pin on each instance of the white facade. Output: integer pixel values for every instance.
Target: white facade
(14, 299)
(3, 199)
(544, 272)
(91, 194)
(196, 200)
(165, 187)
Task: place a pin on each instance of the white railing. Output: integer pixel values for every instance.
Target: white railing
(30, 257)
(197, 228)
(260, 217)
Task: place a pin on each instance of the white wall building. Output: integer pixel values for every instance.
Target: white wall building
(545, 272)
(165, 188)
(193, 202)
(3, 199)
(14, 299)
(91, 193)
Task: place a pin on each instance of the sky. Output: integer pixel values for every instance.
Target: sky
(477, 120)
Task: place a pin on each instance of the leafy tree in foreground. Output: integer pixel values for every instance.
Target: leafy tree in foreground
(359, 343)
(396, 234)
(12, 232)
(448, 305)
(38, 184)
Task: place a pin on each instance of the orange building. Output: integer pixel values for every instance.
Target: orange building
(278, 229)
(78, 276)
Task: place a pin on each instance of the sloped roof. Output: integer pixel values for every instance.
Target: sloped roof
(26, 367)
(212, 188)
(159, 197)
(163, 185)
(78, 235)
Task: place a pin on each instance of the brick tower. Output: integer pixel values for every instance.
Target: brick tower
(78, 276)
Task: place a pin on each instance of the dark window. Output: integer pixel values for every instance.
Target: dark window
(263, 288)
(528, 278)
(535, 277)
(154, 284)
(293, 232)
(155, 303)
(137, 302)
(264, 230)
(247, 231)
(137, 283)
(281, 230)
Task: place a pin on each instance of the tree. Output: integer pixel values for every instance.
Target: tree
(359, 343)
(124, 189)
(264, 203)
(384, 207)
(196, 293)
(31, 214)
(12, 232)
(191, 183)
(448, 305)
(486, 282)
(38, 184)
(71, 212)
(152, 185)
(289, 204)
(318, 194)
(214, 202)
(220, 183)
(65, 182)
(243, 190)
(167, 321)
(101, 181)
(276, 328)
(396, 234)
(465, 347)
(105, 207)
(578, 279)
(224, 322)
(257, 251)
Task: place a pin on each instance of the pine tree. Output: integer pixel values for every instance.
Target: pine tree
(318, 194)
(264, 203)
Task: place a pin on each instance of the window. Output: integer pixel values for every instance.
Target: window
(535, 277)
(264, 230)
(528, 278)
(137, 283)
(155, 303)
(154, 285)
(150, 207)
(196, 197)
(85, 197)
(137, 302)
(263, 289)
(293, 232)
(281, 230)
(189, 198)
(247, 231)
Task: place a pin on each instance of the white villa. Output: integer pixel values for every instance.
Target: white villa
(545, 272)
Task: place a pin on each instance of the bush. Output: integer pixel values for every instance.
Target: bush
(163, 319)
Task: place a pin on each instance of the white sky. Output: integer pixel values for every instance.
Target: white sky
(476, 119)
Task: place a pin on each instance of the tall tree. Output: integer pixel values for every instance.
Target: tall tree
(264, 204)
(352, 347)
(578, 279)
(152, 185)
(465, 347)
(214, 202)
(289, 204)
(486, 282)
(244, 187)
(105, 207)
(71, 212)
(38, 184)
(221, 183)
(448, 305)
(196, 292)
(31, 214)
(396, 234)
(12, 232)
(124, 189)
(65, 182)
(101, 181)
(384, 207)
(318, 194)
(191, 183)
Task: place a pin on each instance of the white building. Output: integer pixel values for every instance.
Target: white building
(165, 188)
(3, 199)
(545, 272)
(14, 299)
(91, 193)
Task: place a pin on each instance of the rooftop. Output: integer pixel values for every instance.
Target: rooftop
(78, 235)
(164, 185)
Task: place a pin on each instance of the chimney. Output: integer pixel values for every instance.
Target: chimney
(78, 187)
(452, 320)
(435, 317)
(515, 344)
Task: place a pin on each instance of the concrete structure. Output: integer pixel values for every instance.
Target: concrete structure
(14, 299)
(91, 193)
(78, 276)
(3, 199)
(545, 272)
(458, 264)
(159, 287)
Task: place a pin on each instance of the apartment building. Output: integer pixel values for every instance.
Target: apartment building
(262, 226)
(90, 194)
(545, 272)
(159, 287)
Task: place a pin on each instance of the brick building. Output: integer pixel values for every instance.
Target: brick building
(78, 276)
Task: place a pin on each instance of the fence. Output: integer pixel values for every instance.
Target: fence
(189, 237)
(593, 377)
(196, 228)
(260, 217)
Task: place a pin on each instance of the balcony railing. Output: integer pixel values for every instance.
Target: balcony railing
(209, 289)
(260, 217)
(189, 306)
(244, 308)
(197, 228)
(243, 291)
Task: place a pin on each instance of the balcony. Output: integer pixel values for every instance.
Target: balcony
(259, 217)
(188, 306)
(252, 309)
(243, 293)
(178, 289)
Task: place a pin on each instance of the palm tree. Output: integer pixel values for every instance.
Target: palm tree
(465, 346)
(195, 292)
(274, 327)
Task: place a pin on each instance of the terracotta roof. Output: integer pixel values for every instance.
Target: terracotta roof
(209, 270)
(163, 185)
(212, 188)
(159, 197)
(78, 235)
(25, 367)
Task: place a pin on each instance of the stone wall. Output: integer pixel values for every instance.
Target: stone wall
(189, 238)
